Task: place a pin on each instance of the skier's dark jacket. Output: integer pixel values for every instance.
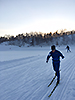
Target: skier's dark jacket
(55, 56)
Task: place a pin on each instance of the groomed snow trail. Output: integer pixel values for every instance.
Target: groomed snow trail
(27, 78)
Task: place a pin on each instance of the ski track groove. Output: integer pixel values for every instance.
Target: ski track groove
(28, 98)
(68, 78)
(66, 69)
(67, 63)
(21, 67)
(20, 98)
(22, 62)
(66, 86)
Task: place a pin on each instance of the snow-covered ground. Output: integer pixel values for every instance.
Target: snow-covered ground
(25, 75)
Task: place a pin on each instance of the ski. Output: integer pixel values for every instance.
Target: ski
(52, 80)
(53, 90)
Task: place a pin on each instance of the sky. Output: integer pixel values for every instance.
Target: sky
(21, 16)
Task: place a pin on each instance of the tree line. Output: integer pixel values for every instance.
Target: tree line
(35, 38)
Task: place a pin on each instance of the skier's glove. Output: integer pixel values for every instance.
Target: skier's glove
(63, 57)
(46, 61)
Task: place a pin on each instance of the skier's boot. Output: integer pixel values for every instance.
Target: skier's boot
(57, 82)
(55, 74)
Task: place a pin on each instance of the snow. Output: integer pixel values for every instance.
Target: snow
(25, 75)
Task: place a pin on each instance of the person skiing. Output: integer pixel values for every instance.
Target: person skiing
(55, 60)
(68, 49)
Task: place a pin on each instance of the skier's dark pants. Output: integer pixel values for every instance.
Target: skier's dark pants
(68, 50)
(56, 66)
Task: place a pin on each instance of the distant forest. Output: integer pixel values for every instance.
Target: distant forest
(41, 39)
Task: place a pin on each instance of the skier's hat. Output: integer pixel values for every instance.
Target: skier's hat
(53, 47)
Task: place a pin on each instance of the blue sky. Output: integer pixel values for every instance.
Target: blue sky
(21, 16)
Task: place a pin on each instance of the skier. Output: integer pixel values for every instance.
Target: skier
(68, 49)
(55, 61)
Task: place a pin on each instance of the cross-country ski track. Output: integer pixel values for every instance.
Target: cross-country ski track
(27, 78)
